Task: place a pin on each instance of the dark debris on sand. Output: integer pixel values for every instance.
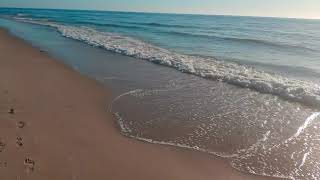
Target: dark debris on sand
(29, 164)
(21, 124)
(19, 142)
(11, 111)
(2, 146)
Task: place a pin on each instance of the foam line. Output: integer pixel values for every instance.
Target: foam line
(306, 123)
(243, 76)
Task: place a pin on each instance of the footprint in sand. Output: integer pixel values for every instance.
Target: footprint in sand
(19, 142)
(3, 164)
(21, 124)
(2, 146)
(30, 164)
(11, 111)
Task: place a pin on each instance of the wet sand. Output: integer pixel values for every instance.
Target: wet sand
(54, 125)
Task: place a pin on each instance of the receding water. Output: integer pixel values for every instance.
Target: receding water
(243, 88)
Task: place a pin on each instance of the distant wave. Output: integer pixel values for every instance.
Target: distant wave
(302, 71)
(108, 25)
(23, 18)
(268, 43)
(163, 25)
(173, 25)
(21, 15)
(207, 36)
(241, 40)
(304, 92)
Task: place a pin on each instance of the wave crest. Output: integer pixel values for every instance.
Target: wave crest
(242, 40)
(243, 76)
(164, 25)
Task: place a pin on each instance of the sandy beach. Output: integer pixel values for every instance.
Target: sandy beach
(54, 125)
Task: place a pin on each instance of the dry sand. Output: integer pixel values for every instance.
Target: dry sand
(59, 129)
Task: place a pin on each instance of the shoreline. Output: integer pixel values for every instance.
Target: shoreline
(60, 128)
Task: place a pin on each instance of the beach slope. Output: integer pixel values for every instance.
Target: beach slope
(54, 125)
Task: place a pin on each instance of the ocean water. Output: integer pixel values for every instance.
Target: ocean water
(243, 88)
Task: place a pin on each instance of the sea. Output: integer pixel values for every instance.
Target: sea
(246, 89)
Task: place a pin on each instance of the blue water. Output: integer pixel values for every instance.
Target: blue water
(243, 88)
(269, 55)
(284, 43)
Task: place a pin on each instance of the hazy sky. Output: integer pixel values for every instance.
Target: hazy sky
(279, 8)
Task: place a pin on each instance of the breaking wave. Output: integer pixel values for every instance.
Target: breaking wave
(243, 76)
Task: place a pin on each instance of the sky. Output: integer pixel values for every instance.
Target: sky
(272, 8)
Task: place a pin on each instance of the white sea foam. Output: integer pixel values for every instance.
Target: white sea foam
(301, 128)
(238, 158)
(307, 122)
(121, 95)
(126, 131)
(304, 158)
(247, 77)
(240, 154)
(243, 76)
(243, 152)
(281, 176)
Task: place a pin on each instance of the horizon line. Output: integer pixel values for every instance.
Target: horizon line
(175, 13)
